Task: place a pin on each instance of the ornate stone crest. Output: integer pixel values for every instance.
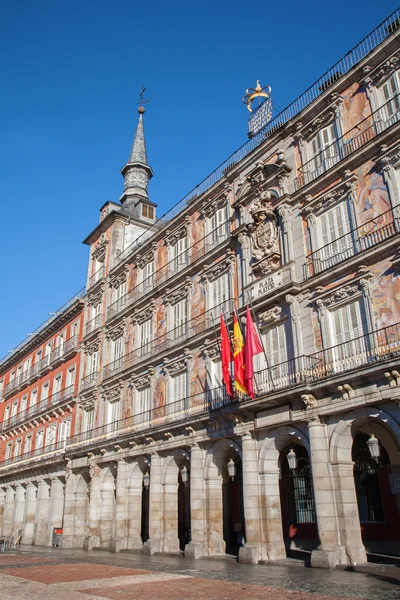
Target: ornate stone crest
(265, 235)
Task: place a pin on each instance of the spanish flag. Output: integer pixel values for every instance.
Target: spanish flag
(238, 356)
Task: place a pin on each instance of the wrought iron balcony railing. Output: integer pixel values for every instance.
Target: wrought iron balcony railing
(93, 324)
(373, 232)
(379, 121)
(172, 412)
(89, 381)
(42, 452)
(47, 404)
(193, 327)
(97, 276)
(171, 268)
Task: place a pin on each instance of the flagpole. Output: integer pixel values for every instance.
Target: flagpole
(219, 345)
(259, 336)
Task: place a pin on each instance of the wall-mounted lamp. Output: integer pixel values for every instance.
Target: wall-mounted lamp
(146, 480)
(184, 475)
(231, 469)
(292, 459)
(373, 447)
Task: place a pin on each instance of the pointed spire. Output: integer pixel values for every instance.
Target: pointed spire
(138, 152)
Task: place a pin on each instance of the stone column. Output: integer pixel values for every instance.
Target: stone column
(108, 491)
(56, 507)
(215, 516)
(328, 554)
(2, 503)
(197, 546)
(67, 540)
(19, 510)
(270, 501)
(8, 511)
(134, 512)
(93, 539)
(153, 544)
(30, 514)
(120, 539)
(42, 514)
(348, 516)
(254, 549)
(170, 505)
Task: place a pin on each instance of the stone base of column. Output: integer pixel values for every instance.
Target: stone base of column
(152, 546)
(325, 559)
(72, 541)
(355, 555)
(117, 545)
(250, 554)
(90, 542)
(195, 550)
(276, 551)
(171, 546)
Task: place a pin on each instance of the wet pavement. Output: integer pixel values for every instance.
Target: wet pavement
(75, 575)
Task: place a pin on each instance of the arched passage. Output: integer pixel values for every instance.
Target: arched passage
(138, 503)
(176, 501)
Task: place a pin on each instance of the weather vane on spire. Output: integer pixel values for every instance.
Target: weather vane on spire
(142, 100)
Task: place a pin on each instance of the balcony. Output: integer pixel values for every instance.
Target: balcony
(93, 324)
(96, 277)
(88, 382)
(175, 337)
(364, 351)
(45, 405)
(174, 266)
(44, 452)
(374, 232)
(380, 120)
(174, 412)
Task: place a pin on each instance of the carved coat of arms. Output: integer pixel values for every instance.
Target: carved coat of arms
(265, 235)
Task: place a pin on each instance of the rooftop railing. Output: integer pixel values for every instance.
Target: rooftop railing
(47, 404)
(388, 27)
(379, 121)
(188, 257)
(179, 334)
(370, 234)
(57, 447)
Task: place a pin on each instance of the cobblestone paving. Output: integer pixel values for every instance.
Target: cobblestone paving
(57, 574)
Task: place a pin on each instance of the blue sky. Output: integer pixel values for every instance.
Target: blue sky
(71, 76)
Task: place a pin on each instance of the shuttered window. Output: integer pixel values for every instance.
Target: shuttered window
(390, 96)
(147, 276)
(144, 400)
(51, 435)
(347, 332)
(177, 392)
(178, 321)
(93, 362)
(64, 431)
(323, 150)
(272, 367)
(118, 348)
(178, 255)
(217, 228)
(219, 294)
(146, 336)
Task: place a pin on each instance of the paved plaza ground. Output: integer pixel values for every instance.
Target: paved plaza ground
(52, 573)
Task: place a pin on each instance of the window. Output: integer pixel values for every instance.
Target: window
(45, 391)
(60, 344)
(51, 434)
(34, 397)
(96, 314)
(323, 151)
(39, 439)
(57, 387)
(38, 356)
(147, 211)
(117, 349)
(71, 378)
(145, 337)
(178, 255)
(144, 405)
(114, 412)
(347, 329)
(7, 413)
(8, 450)
(146, 276)
(19, 373)
(119, 296)
(177, 392)
(75, 327)
(93, 359)
(217, 228)
(12, 375)
(272, 365)
(28, 444)
(335, 243)
(18, 448)
(14, 409)
(89, 420)
(390, 91)
(177, 322)
(48, 353)
(64, 429)
(1, 389)
(24, 403)
(219, 295)
(215, 373)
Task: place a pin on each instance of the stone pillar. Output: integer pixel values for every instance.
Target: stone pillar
(42, 514)
(153, 544)
(108, 492)
(170, 504)
(93, 539)
(348, 516)
(215, 516)
(254, 549)
(30, 514)
(134, 512)
(196, 548)
(328, 554)
(56, 507)
(67, 540)
(271, 514)
(19, 510)
(8, 511)
(120, 539)
(2, 503)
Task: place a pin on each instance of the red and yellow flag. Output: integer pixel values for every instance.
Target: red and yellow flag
(238, 356)
(253, 347)
(226, 357)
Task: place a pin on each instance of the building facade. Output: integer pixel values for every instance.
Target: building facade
(39, 384)
(302, 223)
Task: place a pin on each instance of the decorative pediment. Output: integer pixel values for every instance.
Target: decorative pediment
(388, 159)
(337, 193)
(115, 333)
(145, 380)
(172, 237)
(144, 315)
(142, 260)
(322, 120)
(116, 281)
(211, 350)
(99, 253)
(173, 296)
(86, 403)
(178, 365)
(217, 269)
(113, 394)
(94, 298)
(346, 292)
(374, 76)
(208, 209)
(272, 315)
(94, 346)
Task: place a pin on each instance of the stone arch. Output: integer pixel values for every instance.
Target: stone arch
(216, 456)
(274, 441)
(172, 465)
(137, 468)
(341, 440)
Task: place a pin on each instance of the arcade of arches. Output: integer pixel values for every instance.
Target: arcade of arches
(315, 486)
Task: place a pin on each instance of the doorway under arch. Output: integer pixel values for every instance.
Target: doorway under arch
(233, 512)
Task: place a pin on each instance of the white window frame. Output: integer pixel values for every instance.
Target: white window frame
(114, 410)
(389, 98)
(178, 319)
(28, 444)
(9, 449)
(178, 391)
(89, 419)
(217, 227)
(71, 375)
(146, 276)
(18, 447)
(39, 437)
(44, 394)
(218, 294)
(64, 431)
(24, 403)
(7, 411)
(348, 353)
(34, 397)
(51, 434)
(323, 150)
(145, 336)
(178, 254)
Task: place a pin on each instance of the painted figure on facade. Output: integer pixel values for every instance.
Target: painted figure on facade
(265, 235)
